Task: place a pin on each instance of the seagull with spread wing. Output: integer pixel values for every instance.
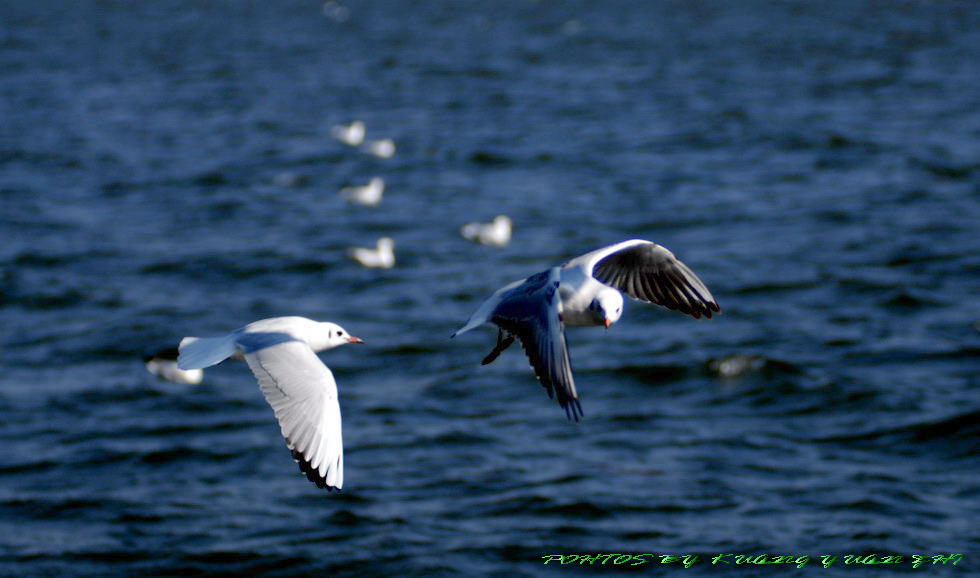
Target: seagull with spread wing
(281, 352)
(586, 291)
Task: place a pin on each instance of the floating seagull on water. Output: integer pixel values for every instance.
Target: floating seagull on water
(586, 291)
(301, 390)
(383, 257)
(495, 233)
(369, 194)
(735, 364)
(163, 364)
(383, 148)
(352, 135)
(289, 179)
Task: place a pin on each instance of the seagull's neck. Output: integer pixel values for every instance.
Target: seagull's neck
(577, 292)
(317, 338)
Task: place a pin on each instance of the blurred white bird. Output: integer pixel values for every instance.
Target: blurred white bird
(352, 135)
(163, 364)
(496, 233)
(301, 390)
(383, 257)
(383, 148)
(369, 194)
(289, 179)
(336, 11)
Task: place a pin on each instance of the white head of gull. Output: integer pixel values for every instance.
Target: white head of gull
(352, 135)
(586, 291)
(381, 257)
(369, 194)
(281, 352)
(496, 233)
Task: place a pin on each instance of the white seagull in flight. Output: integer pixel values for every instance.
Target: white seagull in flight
(586, 291)
(301, 390)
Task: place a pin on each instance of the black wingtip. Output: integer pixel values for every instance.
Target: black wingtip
(573, 410)
(710, 307)
(312, 474)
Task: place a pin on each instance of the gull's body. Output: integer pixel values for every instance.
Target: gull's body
(384, 148)
(369, 194)
(586, 291)
(381, 257)
(352, 135)
(281, 352)
(496, 233)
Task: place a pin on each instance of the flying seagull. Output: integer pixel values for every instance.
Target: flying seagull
(586, 291)
(281, 352)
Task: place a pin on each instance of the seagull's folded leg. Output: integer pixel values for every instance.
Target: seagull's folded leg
(503, 342)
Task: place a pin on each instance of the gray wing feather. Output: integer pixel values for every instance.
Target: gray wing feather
(649, 272)
(531, 312)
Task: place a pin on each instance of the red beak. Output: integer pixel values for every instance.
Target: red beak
(353, 339)
(607, 323)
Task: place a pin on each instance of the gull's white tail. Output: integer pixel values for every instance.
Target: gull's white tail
(201, 352)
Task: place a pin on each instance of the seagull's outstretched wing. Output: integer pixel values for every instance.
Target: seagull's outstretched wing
(648, 272)
(303, 395)
(531, 311)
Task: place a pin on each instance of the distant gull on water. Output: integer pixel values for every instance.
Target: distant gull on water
(369, 194)
(384, 148)
(352, 135)
(496, 233)
(301, 390)
(382, 257)
(163, 364)
(586, 291)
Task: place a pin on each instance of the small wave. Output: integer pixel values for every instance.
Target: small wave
(68, 508)
(237, 562)
(775, 287)
(347, 518)
(582, 509)
(906, 299)
(959, 434)
(649, 373)
(947, 170)
(455, 438)
(410, 349)
(180, 454)
(489, 158)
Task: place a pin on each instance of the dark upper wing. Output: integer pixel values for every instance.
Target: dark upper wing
(531, 312)
(649, 272)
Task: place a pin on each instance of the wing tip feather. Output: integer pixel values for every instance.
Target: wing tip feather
(312, 474)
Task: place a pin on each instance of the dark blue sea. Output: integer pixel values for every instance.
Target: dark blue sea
(167, 169)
